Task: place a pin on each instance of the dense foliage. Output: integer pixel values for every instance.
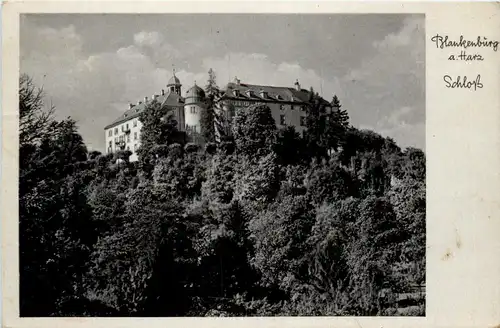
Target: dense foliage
(266, 222)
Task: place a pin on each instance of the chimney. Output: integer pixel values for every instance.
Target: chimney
(236, 81)
(153, 97)
(139, 102)
(162, 92)
(130, 106)
(297, 85)
(145, 100)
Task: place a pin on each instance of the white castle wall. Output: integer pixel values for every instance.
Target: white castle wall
(192, 117)
(132, 139)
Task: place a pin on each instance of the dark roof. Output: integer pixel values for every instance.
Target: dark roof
(170, 99)
(195, 91)
(174, 80)
(272, 93)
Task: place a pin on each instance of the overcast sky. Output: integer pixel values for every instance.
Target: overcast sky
(92, 66)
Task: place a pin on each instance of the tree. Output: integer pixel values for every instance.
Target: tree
(219, 185)
(279, 235)
(413, 164)
(289, 146)
(55, 232)
(314, 134)
(125, 262)
(340, 116)
(328, 182)
(254, 130)
(257, 182)
(223, 116)
(35, 121)
(371, 253)
(211, 88)
(326, 125)
(207, 119)
(159, 127)
(337, 122)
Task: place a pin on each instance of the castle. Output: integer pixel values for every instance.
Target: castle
(287, 104)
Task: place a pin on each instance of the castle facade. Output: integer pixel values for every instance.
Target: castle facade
(287, 104)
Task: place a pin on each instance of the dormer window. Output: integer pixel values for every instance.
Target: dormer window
(236, 93)
(249, 93)
(279, 97)
(263, 94)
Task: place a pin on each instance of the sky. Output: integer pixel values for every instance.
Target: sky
(92, 66)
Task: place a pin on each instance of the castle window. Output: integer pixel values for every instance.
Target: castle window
(110, 133)
(128, 138)
(135, 135)
(116, 131)
(135, 147)
(127, 127)
(110, 150)
(282, 120)
(302, 121)
(193, 110)
(110, 143)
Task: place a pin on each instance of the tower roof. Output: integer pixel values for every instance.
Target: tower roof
(195, 92)
(174, 80)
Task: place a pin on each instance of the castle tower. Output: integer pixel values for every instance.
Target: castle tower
(193, 105)
(174, 85)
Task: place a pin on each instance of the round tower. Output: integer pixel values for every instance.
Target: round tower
(193, 105)
(174, 85)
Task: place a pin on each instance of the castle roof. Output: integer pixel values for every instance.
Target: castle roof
(243, 91)
(174, 80)
(170, 100)
(195, 92)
